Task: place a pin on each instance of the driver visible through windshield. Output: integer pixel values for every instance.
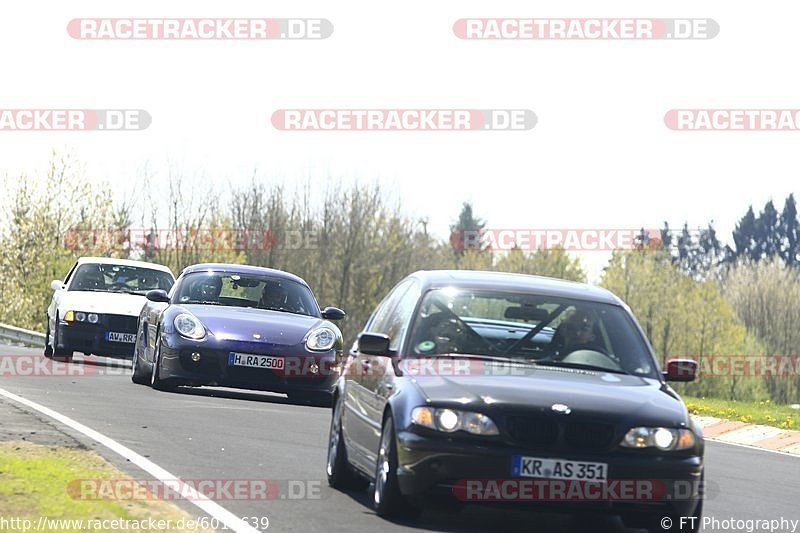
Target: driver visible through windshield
(240, 290)
(531, 328)
(100, 277)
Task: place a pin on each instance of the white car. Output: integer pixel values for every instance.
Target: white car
(95, 309)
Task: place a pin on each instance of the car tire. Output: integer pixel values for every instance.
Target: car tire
(387, 500)
(64, 355)
(138, 375)
(48, 348)
(340, 473)
(155, 380)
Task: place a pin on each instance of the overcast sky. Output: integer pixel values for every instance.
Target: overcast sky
(600, 155)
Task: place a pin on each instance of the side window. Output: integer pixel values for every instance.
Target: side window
(379, 321)
(398, 321)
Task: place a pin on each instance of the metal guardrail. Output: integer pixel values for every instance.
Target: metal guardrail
(21, 336)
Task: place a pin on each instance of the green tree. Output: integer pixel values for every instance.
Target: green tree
(744, 237)
(790, 232)
(351, 244)
(466, 233)
(764, 295)
(38, 215)
(768, 232)
(681, 316)
(554, 263)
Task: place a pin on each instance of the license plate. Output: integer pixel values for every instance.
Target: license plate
(255, 361)
(115, 336)
(558, 469)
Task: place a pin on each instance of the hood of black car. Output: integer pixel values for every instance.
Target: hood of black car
(595, 395)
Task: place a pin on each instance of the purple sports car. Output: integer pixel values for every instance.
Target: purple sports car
(239, 326)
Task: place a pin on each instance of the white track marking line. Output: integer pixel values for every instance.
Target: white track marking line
(748, 446)
(212, 508)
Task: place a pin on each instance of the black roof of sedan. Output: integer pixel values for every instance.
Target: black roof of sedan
(505, 281)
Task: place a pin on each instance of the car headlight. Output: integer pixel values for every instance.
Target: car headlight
(321, 339)
(452, 420)
(665, 439)
(189, 326)
(81, 316)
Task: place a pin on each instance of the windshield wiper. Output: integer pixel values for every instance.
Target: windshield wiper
(482, 357)
(90, 290)
(201, 302)
(282, 310)
(583, 366)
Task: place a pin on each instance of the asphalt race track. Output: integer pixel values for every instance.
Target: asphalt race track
(224, 434)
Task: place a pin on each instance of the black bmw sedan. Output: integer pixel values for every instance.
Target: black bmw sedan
(508, 389)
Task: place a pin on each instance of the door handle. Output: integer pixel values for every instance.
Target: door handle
(371, 367)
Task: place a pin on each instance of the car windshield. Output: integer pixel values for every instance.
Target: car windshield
(533, 328)
(100, 277)
(247, 290)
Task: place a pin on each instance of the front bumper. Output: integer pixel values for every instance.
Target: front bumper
(474, 471)
(303, 372)
(91, 338)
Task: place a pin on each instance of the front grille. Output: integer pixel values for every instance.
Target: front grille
(532, 431)
(544, 432)
(122, 323)
(588, 436)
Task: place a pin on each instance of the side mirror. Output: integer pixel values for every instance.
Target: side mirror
(374, 344)
(681, 370)
(333, 313)
(157, 295)
(56, 284)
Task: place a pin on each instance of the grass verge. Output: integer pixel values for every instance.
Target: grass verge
(34, 481)
(764, 412)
